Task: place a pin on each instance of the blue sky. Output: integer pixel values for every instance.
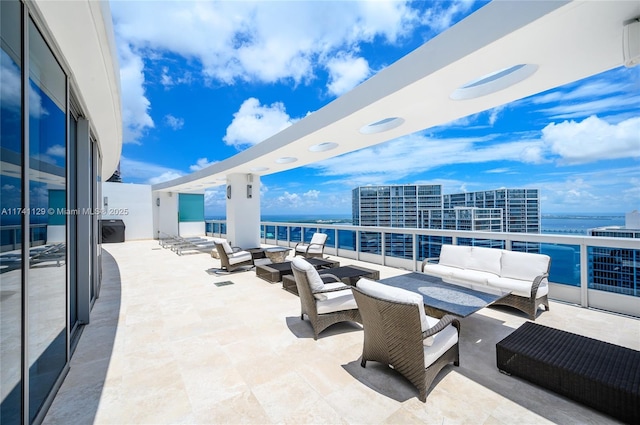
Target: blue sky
(203, 81)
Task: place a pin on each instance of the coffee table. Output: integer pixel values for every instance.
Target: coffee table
(277, 254)
(442, 298)
(275, 272)
(347, 274)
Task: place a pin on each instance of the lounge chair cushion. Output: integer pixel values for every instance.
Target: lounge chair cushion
(337, 301)
(318, 238)
(441, 342)
(225, 245)
(331, 285)
(315, 249)
(437, 270)
(454, 255)
(393, 294)
(470, 276)
(315, 281)
(524, 266)
(239, 257)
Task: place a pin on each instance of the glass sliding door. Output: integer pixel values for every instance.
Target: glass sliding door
(11, 220)
(47, 277)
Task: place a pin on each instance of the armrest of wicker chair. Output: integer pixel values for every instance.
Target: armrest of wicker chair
(536, 283)
(446, 320)
(327, 276)
(428, 260)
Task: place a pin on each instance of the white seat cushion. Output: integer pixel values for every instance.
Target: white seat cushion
(318, 238)
(442, 341)
(525, 266)
(393, 294)
(315, 281)
(519, 287)
(331, 285)
(454, 255)
(337, 301)
(485, 260)
(312, 250)
(437, 270)
(239, 257)
(471, 276)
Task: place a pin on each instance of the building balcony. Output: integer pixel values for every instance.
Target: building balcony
(170, 342)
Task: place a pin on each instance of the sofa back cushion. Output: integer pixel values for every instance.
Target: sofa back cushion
(393, 294)
(485, 260)
(315, 281)
(454, 256)
(522, 265)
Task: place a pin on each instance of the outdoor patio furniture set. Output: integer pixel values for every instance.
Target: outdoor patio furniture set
(410, 322)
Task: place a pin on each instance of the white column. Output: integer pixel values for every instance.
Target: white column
(243, 210)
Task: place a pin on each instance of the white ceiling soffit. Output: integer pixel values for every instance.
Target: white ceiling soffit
(558, 42)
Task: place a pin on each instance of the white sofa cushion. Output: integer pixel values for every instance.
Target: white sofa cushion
(437, 270)
(525, 266)
(238, 257)
(337, 301)
(454, 255)
(315, 249)
(470, 276)
(393, 294)
(485, 260)
(330, 285)
(519, 287)
(318, 238)
(315, 281)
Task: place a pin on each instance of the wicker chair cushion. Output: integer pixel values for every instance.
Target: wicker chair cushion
(524, 266)
(486, 260)
(225, 245)
(454, 255)
(393, 294)
(318, 238)
(437, 270)
(315, 282)
(330, 285)
(315, 249)
(519, 287)
(337, 301)
(442, 341)
(239, 257)
(472, 276)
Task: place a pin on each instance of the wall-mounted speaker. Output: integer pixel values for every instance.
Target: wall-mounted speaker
(249, 191)
(631, 43)
(228, 192)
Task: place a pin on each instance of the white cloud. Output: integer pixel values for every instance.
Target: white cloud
(135, 105)
(593, 139)
(200, 164)
(258, 41)
(253, 123)
(133, 171)
(440, 18)
(57, 150)
(174, 122)
(346, 72)
(311, 194)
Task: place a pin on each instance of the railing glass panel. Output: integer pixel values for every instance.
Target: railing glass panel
(614, 270)
(347, 239)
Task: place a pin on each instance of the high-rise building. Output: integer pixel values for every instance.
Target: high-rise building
(424, 206)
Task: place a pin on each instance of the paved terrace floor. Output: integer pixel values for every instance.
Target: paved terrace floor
(166, 345)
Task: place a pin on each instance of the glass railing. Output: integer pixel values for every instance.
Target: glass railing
(11, 236)
(610, 265)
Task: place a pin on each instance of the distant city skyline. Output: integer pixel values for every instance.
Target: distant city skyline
(196, 92)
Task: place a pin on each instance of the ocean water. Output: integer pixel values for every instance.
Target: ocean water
(552, 223)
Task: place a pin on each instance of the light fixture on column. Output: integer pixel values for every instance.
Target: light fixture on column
(228, 191)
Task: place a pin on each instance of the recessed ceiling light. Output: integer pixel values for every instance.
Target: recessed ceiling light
(286, 160)
(325, 146)
(494, 82)
(382, 125)
(256, 169)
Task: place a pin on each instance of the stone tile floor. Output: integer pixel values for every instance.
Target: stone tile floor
(166, 345)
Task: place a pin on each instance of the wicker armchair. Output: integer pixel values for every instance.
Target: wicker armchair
(315, 247)
(232, 258)
(323, 298)
(398, 333)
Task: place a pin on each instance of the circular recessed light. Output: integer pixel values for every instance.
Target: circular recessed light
(382, 125)
(286, 160)
(257, 169)
(494, 82)
(325, 146)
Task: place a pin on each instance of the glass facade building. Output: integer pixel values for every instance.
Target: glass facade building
(50, 168)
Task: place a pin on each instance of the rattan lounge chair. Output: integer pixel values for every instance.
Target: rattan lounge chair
(398, 333)
(232, 258)
(315, 247)
(323, 298)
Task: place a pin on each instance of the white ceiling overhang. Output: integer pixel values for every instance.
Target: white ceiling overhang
(561, 41)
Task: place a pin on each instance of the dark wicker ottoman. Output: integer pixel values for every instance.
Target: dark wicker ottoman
(598, 374)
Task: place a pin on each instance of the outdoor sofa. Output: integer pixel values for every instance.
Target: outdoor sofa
(524, 274)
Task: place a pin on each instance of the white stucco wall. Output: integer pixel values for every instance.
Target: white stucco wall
(131, 203)
(194, 228)
(165, 214)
